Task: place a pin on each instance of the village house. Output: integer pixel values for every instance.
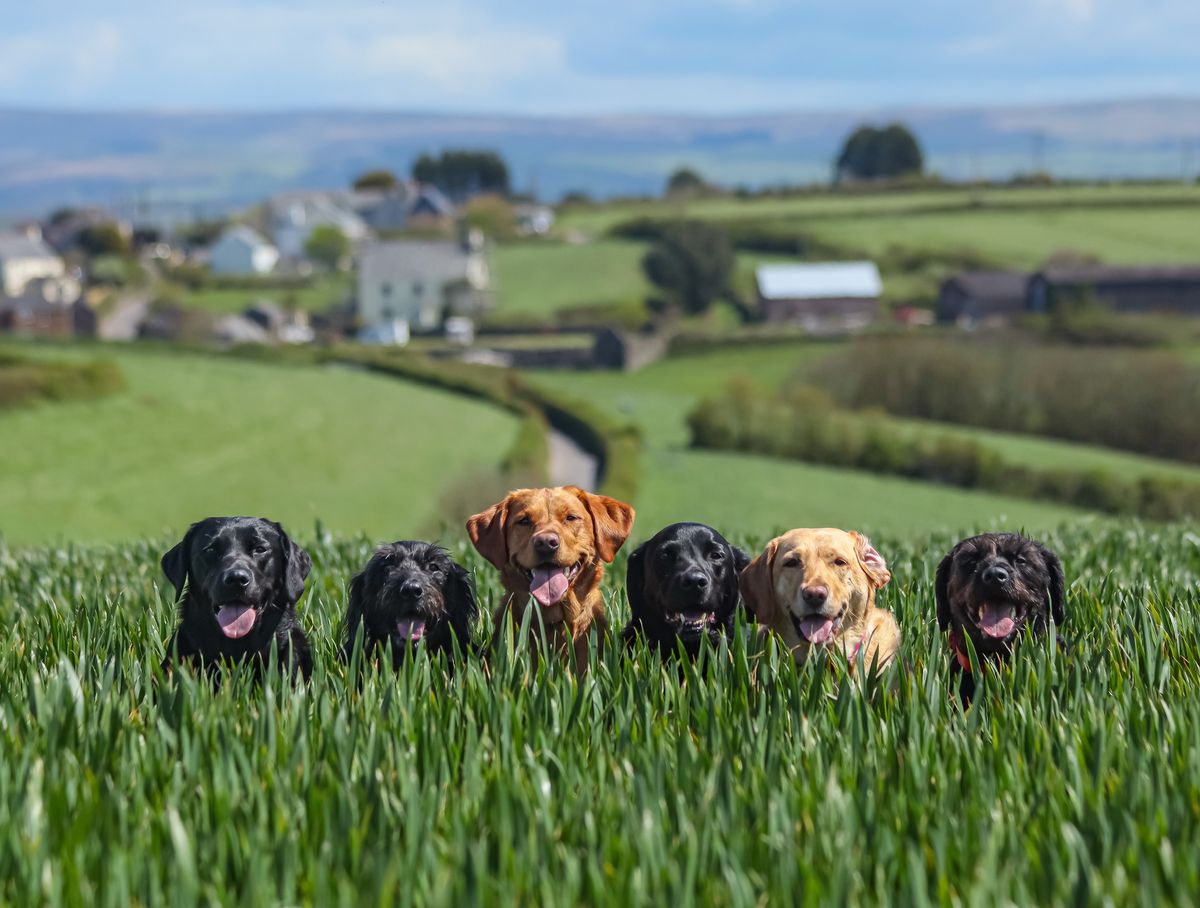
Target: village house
(419, 282)
(293, 216)
(25, 257)
(820, 296)
(982, 298)
(240, 250)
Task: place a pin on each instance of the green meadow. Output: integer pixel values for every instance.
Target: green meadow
(192, 436)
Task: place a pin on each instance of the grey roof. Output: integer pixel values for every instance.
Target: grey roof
(1122, 274)
(407, 259)
(17, 245)
(246, 235)
(819, 280)
(992, 285)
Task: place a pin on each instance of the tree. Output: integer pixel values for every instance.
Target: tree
(463, 173)
(105, 238)
(686, 181)
(493, 215)
(327, 246)
(870, 153)
(692, 263)
(376, 179)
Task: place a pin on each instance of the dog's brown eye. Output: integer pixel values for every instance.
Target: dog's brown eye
(791, 562)
(840, 562)
(525, 521)
(573, 517)
(715, 555)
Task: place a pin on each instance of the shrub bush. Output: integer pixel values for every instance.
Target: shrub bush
(27, 381)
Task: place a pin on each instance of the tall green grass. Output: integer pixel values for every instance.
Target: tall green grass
(1074, 779)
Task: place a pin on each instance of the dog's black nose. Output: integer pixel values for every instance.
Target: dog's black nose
(694, 580)
(815, 595)
(239, 577)
(546, 543)
(411, 590)
(995, 574)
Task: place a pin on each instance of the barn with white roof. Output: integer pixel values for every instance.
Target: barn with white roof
(820, 296)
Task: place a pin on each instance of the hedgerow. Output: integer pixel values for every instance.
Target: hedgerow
(804, 424)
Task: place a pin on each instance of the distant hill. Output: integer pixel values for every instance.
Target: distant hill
(51, 158)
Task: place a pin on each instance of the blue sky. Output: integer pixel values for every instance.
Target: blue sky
(583, 56)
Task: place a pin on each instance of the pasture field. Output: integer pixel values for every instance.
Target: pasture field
(864, 204)
(1012, 227)
(1025, 239)
(192, 436)
(659, 397)
(541, 278)
(1074, 779)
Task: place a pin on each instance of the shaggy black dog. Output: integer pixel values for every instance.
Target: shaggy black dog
(237, 581)
(683, 588)
(991, 588)
(411, 595)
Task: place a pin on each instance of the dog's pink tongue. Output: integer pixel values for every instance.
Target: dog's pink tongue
(817, 629)
(412, 628)
(997, 620)
(235, 620)
(548, 585)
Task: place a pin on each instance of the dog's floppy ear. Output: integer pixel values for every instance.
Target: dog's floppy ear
(942, 588)
(354, 610)
(758, 585)
(611, 519)
(871, 561)
(296, 565)
(177, 563)
(1058, 586)
(739, 560)
(459, 592)
(486, 530)
(635, 580)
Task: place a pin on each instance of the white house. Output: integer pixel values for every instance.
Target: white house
(421, 282)
(25, 257)
(241, 250)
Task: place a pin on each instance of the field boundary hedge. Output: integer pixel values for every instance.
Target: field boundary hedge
(24, 381)
(805, 425)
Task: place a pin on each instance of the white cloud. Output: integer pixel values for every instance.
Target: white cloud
(453, 60)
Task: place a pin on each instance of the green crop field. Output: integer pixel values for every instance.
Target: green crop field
(193, 436)
(1074, 779)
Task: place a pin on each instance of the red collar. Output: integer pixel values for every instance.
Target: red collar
(960, 651)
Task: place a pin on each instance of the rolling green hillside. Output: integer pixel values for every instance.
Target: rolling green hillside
(193, 436)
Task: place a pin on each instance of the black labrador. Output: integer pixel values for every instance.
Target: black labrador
(683, 588)
(991, 588)
(411, 595)
(237, 581)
